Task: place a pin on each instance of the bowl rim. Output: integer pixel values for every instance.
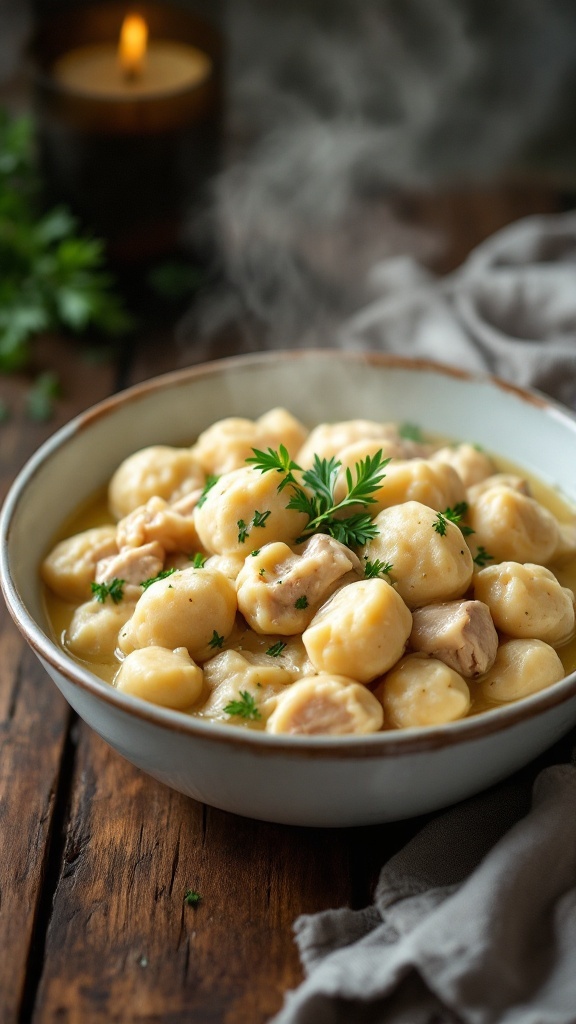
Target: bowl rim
(393, 743)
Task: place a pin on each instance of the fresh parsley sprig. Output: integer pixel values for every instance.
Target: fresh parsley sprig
(318, 502)
(243, 708)
(114, 589)
(377, 568)
(452, 515)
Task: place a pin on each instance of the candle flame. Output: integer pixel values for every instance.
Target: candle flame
(132, 45)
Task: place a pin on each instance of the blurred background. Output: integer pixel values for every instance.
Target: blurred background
(345, 124)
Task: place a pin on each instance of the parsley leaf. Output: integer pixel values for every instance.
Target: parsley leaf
(243, 531)
(301, 602)
(209, 484)
(276, 650)
(192, 897)
(243, 708)
(377, 568)
(114, 590)
(482, 557)
(154, 579)
(410, 432)
(198, 560)
(452, 515)
(216, 641)
(260, 518)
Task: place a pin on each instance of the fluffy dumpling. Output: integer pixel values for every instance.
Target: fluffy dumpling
(227, 444)
(513, 527)
(521, 667)
(170, 679)
(243, 511)
(429, 556)
(436, 485)
(360, 632)
(526, 601)
(422, 691)
(470, 462)
(157, 471)
(191, 608)
(70, 567)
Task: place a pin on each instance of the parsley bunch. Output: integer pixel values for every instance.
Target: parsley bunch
(52, 277)
(318, 502)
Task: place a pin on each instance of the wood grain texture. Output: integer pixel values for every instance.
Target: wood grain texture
(34, 719)
(123, 946)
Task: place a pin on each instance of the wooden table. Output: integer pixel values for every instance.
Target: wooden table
(95, 857)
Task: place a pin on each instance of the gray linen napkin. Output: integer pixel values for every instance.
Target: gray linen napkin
(509, 309)
(474, 921)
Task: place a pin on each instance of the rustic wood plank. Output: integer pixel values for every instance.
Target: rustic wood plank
(34, 719)
(123, 946)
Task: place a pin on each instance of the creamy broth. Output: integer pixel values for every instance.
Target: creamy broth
(96, 513)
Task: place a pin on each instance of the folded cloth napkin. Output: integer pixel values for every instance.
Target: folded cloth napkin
(474, 921)
(509, 309)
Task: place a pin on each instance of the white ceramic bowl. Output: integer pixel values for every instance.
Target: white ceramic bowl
(319, 781)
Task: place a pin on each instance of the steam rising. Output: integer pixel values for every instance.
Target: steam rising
(336, 106)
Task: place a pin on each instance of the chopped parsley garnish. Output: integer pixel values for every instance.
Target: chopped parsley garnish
(260, 518)
(192, 897)
(482, 557)
(301, 602)
(318, 501)
(198, 560)
(243, 708)
(154, 579)
(452, 515)
(255, 552)
(377, 568)
(216, 641)
(114, 589)
(276, 650)
(209, 484)
(243, 530)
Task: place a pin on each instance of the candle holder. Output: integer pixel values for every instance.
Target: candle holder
(131, 165)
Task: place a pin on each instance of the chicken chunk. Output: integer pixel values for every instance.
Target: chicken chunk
(70, 567)
(231, 673)
(422, 691)
(326, 704)
(158, 521)
(168, 678)
(360, 632)
(521, 667)
(459, 633)
(157, 471)
(430, 559)
(280, 591)
(132, 565)
(526, 601)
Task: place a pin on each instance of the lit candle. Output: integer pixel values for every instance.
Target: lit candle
(135, 69)
(128, 114)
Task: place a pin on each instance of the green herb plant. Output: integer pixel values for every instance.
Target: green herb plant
(53, 277)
